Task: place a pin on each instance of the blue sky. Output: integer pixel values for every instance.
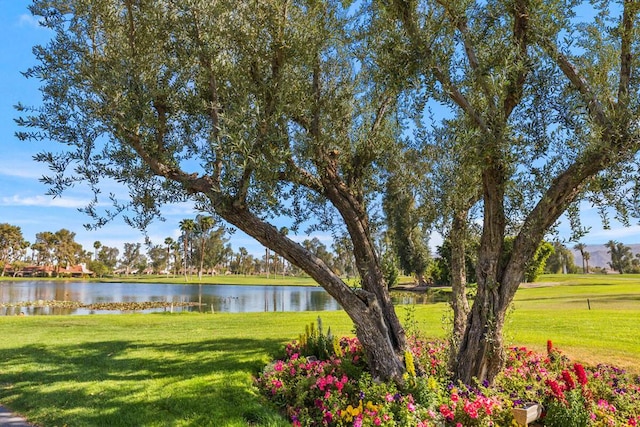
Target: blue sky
(22, 197)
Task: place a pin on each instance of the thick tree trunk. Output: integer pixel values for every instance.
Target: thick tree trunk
(481, 354)
(370, 308)
(459, 301)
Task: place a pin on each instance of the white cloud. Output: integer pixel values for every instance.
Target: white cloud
(28, 20)
(23, 171)
(43, 201)
(615, 233)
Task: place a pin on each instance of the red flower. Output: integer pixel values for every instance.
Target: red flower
(580, 373)
(568, 379)
(447, 412)
(549, 346)
(556, 389)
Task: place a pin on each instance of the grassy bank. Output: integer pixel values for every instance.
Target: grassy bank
(171, 279)
(197, 369)
(232, 279)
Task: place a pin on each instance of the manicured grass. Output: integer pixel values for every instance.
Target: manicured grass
(593, 318)
(197, 369)
(151, 370)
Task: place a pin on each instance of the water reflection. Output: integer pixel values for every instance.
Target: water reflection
(216, 298)
(87, 297)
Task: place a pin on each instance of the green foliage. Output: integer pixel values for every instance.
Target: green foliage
(536, 266)
(12, 245)
(539, 262)
(314, 342)
(621, 256)
(99, 268)
(441, 272)
(560, 260)
(408, 238)
(390, 269)
(572, 411)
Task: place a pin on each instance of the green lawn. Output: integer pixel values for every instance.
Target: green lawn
(197, 369)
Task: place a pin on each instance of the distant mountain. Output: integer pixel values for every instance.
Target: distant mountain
(599, 257)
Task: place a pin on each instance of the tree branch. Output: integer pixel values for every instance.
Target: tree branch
(405, 15)
(518, 77)
(571, 72)
(628, 19)
(214, 103)
(191, 182)
(462, 25)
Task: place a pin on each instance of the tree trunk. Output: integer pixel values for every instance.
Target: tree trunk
(481, 354)
(459, 301)
(370, 308)
(201, 259)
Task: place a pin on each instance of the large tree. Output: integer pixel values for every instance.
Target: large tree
(12, 245)
(59, 248)
(621, 256)
(549, 104)
(252, 109)
(408, 238)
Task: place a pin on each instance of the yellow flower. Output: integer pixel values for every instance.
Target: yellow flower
(336, 347)
(408, 361)
(350, 413)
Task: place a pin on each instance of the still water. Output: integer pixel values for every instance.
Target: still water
(205, 298)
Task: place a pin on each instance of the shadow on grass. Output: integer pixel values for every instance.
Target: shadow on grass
(129, 383)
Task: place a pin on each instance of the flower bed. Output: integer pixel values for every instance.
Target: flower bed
(338, 391)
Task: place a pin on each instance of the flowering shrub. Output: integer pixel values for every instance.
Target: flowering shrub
(338, 391)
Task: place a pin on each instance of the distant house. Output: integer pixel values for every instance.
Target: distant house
(33, 271)
(79, 270)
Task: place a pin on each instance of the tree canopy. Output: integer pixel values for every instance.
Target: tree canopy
(256, 110)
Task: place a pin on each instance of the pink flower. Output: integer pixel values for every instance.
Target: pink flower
(411, 407)
(377, 421)
(278, 365)
(447, 412)
(471, 409)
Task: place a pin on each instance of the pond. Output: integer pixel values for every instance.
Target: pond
(53, 297)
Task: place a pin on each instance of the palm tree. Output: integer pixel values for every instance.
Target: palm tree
(97, 245)
(581, 247)
(187, 226)
(169, 242)
(203, 225)
(587, 257)
(175, 248)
